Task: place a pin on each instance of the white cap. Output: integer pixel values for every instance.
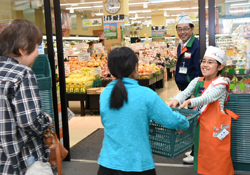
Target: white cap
(184, 19)
(217, 54)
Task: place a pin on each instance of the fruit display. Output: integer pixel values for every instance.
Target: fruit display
(80, 80)
(147, 71)
(240, 87)
(97, 60)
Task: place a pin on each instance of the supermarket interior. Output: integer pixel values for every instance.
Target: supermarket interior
(78, 35)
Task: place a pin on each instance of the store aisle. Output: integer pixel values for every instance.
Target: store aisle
(81, 127)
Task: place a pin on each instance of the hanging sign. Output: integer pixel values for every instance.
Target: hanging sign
(114, 18)
(110, 31)
(92, 22)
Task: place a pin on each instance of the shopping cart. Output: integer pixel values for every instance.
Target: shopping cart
(169, 142)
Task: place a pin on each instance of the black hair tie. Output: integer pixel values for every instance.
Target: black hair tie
(119, 77)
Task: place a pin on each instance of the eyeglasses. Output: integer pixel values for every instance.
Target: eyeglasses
(185, 29)
(209, 62)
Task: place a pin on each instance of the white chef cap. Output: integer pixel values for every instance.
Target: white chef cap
(184, 19)
(217, 54)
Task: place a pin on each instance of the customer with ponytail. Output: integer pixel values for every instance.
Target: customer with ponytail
(126, 110)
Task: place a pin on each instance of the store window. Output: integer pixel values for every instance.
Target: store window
(232, 34)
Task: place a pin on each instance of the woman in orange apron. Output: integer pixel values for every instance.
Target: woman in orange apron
(212, 143)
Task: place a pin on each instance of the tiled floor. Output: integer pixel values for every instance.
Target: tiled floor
(81, 127)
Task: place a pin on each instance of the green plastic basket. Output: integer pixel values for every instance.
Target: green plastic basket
(168, 142)
(42, 70)
(240, 140)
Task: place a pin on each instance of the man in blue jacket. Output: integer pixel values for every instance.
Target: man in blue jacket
(188, 52)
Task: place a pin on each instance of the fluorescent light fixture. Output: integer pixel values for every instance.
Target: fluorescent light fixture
(164, 1)
(194, 19)
(194, 7)
(233, 1)
(142, 11)
(71, 10)
(176, 15)
(145, 5)
(86, 7)
(239, 11)
(99, 14)
(97, 2)
(137, 21)
(98, 6)
(137, 3)
(177, 8)
(75, 5)
(137, 18)
(147, 24)
(242, 4)
(165, 13)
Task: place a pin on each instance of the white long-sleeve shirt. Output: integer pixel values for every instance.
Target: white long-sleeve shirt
(218, 92)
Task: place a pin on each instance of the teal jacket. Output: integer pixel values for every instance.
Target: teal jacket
(126, 145)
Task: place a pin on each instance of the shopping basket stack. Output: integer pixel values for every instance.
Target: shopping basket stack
(169, 142)
(240, 131)
(42, 70)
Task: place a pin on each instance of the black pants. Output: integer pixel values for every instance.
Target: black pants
(106, 171)
(192, 152)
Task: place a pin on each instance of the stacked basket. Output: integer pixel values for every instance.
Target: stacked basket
(240, 139)
(41, 68)
(169, 142)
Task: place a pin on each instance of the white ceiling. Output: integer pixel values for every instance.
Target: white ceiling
(187, 6)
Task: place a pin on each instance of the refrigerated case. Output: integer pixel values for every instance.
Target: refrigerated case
(231, 32)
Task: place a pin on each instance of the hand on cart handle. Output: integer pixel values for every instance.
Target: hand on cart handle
(179, 131)
(174, 103)
(185, 104)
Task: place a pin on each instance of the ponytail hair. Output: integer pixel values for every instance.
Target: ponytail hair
(121, 63)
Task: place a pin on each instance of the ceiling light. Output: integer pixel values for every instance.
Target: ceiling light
(86, 7)
(98, 6)
(142, 11)
(164, 1)
(136, 15)
(147, 24)
(242, 4)
(145, 5)
(99, 14)
(231, 1)
(138, 3)
(194, 7)
(177, 8)
(71, 10)
(96, 2)
(165, 13)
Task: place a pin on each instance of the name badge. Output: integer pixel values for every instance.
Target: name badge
(187, 54)
(222, 134)
(183, 70)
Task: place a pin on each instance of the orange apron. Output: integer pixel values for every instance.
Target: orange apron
(212, 156)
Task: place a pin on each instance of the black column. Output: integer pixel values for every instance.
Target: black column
(60, 57)
(202, 27)
(211, 19)
(49, 34)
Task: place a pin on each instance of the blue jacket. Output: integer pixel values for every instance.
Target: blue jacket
(192, 63)
(126, 145)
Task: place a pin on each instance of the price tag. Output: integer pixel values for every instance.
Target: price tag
(83, 50)
(98, 71)
(84, 57)
(99, 50)
(79, 46)
(67, 69)
(97, 45)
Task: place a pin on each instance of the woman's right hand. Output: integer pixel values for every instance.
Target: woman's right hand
(173, 103)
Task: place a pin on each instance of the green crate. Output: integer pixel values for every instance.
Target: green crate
(42, 70)
(241, 71)
(168, 142)
(231, 71)
(222, 72)
(240, 140)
